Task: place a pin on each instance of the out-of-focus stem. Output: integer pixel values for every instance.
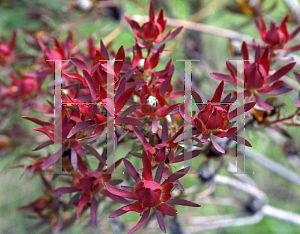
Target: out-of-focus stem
(222, 32)
(281, 214)
(273, 166)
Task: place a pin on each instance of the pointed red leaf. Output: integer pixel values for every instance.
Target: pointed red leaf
(147, 170)
(182, 202)
(43, 145)
(159, 172)
(254, 81)
(129, 110)
(117, 213)
(147, 109)
(295, 32)
(160, 156)
(160, 220)
(76, 76)
(13, 40)
(154, 59)
(97, 132)
(120, 89)
(151, 10)
(142, 139)
(80, 64)
(44, 124)
(244, 50)
(181, 158)
(218, 93)
(176, 175)
(279, 91)
(91, 84)
(170, 35)
(221, 76)
(64, 190)
(45, 131)
(135, 27)
(132, 171)
(124, 97)
(128, 120)
(216, 145)
(297, 75)
(150, 31)
(247, 107)
(166, 192)
(128, 75)
(257, 26)
(141, 222)
(137, 155)
(150, 199)
(164, 132)
(154, 126)
(176, 94)
(165, 111)
(281, 72)
(136, 206)
(119, 192)
(297, 104)
(94, 152)
(115, 197)
(262, 103)
(215, 121)
(119, 61)
(78, 127)
(165, 85)
(85, 198)
(77, 147)
(161, 22)
(229, 132)
(52, 159)
(166, 209)
(86, 183)
(240, 140)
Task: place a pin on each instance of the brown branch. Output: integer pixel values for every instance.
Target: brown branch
(222, 32)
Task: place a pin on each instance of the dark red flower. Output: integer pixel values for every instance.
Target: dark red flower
(66, 125)
(256, 76)
(163, 152)
(22, 87)
(153, 29)
(149, 194)
(277, 36)
(46, 207)
(144, 64)
(214, 118)
(153, 102)
(7, 49)
(62, 51)
(90, 183)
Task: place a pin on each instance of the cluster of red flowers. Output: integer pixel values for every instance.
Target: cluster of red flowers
(143, 107)
(139, 103)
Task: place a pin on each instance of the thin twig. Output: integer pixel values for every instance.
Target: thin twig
(221, 221)
(243, 177)
(294, 6)
(273, 166)
(247, 188)
(281, 214)
(227, 33)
